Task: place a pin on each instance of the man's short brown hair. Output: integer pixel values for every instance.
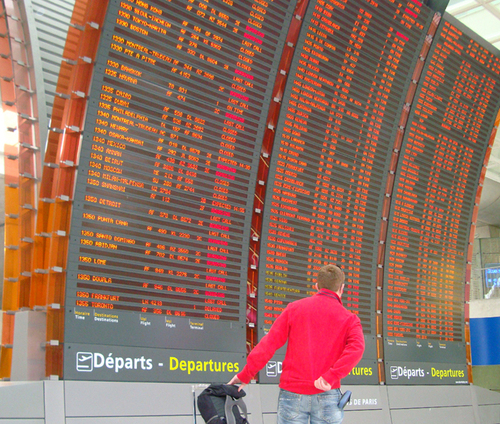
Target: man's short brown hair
(330, 277)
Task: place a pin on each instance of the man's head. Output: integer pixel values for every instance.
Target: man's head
(331, 277)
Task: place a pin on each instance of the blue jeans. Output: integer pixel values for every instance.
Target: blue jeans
(299, 409)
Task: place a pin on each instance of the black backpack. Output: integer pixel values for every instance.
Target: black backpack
(221, 404)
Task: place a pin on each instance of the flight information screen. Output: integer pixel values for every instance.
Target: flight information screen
(373, 167)
(159, 234)
(432, 203)
(330, 161)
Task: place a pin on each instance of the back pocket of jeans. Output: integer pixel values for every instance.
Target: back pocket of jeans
(329, 411)
(288, 405)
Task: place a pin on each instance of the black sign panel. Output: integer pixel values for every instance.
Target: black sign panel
(330, 161)
(441, 161)
(158, 256)
(159, 234)
(123, 363)
(419, 373)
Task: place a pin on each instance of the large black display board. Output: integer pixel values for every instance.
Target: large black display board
(329, 167)
(450, 122)
(158, 255)
(159, 235)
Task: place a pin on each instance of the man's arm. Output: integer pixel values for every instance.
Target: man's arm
(265, 349)
(351, 355)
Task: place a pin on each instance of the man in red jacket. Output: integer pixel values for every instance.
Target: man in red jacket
(325, 342)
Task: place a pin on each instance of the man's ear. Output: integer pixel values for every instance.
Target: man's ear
(316, 285)
(341, 291)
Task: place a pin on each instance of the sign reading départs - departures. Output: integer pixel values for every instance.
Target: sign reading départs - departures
(141, 364)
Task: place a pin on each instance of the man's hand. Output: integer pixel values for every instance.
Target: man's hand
(322, 384)
(236, 380)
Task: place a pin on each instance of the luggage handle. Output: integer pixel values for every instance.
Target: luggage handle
(230, 403)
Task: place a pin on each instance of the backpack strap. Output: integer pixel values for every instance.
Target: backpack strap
(232, 402)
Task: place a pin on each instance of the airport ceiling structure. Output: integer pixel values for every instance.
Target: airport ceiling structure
(483, 17)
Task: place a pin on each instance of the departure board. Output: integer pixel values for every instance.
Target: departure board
(445, 142)
(159, 233)
(331, 154)
(373, 167)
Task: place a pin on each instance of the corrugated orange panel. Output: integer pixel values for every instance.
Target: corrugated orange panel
(46, 188)
(7, 89)
(54, 360)
(38, 289)
(56, 317)
(3, 26)
(4, 50)
(42, 251)
(62, 212)
(380, 347)
(58, 256)
(5, 65)
(67, 178)
(379, 328)
(24, 291)
(25, 259)
(63, 83)
(11, 161)
(27, 215)
(12, 207)
(5, 362)
(10, 300)
(8, 328)
(51, 150)
(381, 372)
(41, 245)
(11, 268)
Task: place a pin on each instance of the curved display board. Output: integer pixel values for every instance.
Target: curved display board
(159, 235)
(329, 166)
(374, 166)
(433, 198)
